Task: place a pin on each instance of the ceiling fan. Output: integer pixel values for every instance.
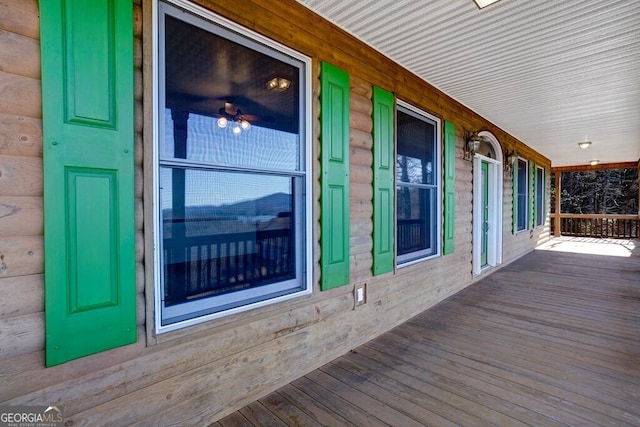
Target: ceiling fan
(239, 121)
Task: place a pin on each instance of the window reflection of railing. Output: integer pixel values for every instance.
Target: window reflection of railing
(594, 225)
(201, 266)
(411, 235)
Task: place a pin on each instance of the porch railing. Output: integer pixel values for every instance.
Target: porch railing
(411, 235)
(201, 266)
(596, 225)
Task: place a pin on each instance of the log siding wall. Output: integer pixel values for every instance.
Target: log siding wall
(200, 374)
(21, 211)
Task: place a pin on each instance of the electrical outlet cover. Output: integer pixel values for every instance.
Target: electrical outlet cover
(360, 295)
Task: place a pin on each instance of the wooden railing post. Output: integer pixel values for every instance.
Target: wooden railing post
(557, 225)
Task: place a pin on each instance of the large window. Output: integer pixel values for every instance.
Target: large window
(522, 189)
(418, 184)
(232, 184)
(540, 190)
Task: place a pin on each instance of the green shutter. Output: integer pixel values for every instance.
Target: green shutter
(449, 187)
(383, 189)
(334, 135)
(532, 195)
(87, 97)
(514, 206)
(544, 196)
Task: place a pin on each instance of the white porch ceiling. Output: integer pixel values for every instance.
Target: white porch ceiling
(552, 73)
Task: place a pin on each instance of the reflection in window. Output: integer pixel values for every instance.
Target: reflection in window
(216, 240)
(523, 186)
(417, 175)
(231, 215)
(416, 210)
(259, 147)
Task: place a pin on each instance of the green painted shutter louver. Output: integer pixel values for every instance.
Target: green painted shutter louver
(334, 141)
(87, 96)
(449, 187)
(383, 184)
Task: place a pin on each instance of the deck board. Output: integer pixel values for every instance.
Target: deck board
(289, 413)
(551, 339)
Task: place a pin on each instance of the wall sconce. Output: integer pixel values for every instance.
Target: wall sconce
(512, 157)
(471, 145)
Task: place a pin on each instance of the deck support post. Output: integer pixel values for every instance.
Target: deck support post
(557, 232)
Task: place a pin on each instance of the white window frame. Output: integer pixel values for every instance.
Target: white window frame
(517, 195)
(410, 259)
(306, 270)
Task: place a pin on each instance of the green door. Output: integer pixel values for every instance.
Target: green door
(485, 212)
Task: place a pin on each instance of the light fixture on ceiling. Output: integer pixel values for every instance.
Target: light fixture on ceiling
(238, 122)
(594, 162)
(236, 129)
(584, 145)
(471, 145)
(484, 3)
(278, 84)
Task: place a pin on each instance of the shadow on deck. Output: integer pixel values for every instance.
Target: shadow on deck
(551, 339)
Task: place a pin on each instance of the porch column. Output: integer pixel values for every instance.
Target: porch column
(557, 232)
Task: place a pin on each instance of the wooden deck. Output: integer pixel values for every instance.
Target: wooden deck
(551, 339)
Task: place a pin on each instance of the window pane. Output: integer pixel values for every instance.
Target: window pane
(416, 216)
(232, 179)
(416, 150)
(523, 187)
(258, 147)
(418, 185)
(223, 232)
(218, 106)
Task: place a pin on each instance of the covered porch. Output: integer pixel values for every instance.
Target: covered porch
(551, 339)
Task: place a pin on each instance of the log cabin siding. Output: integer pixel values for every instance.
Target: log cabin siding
(21, 207)
(516, 245)
(141, 305)
(21, 211)
(360, 180)
(202, 373)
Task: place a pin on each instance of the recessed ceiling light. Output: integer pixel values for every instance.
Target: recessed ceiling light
(584, 145)
(484, 3)
(594, 162)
